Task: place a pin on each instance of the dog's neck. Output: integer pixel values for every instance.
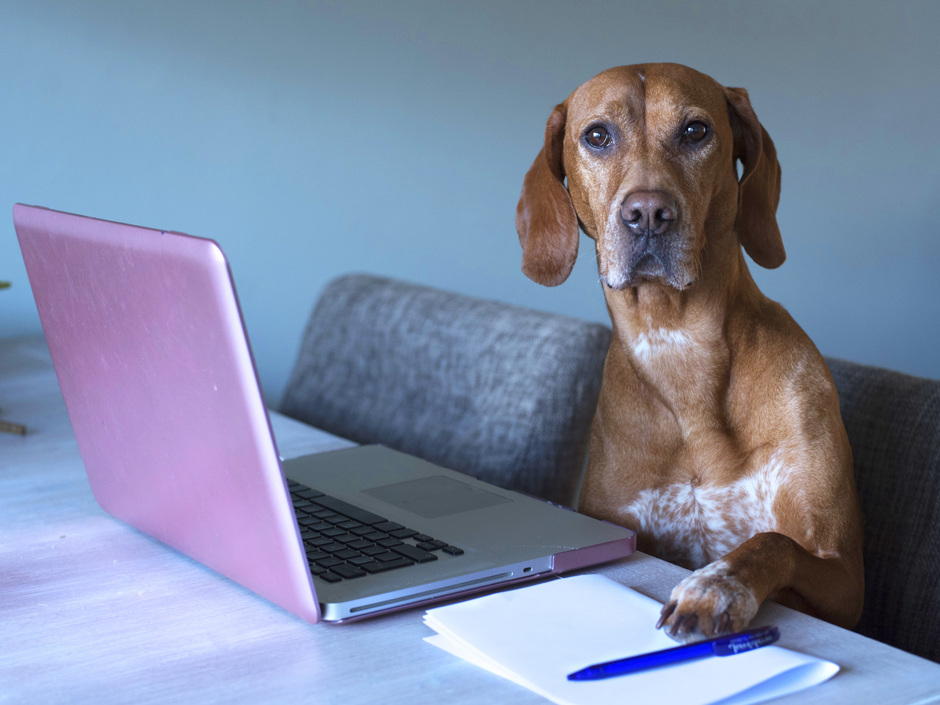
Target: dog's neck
(677, 342)
(700, 310)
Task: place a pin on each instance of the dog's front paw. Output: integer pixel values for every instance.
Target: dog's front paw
(709, 602)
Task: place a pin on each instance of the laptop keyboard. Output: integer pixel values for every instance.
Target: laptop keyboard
(344, 542)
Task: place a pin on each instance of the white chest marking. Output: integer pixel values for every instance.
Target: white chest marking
(657, 341)
(694, 525)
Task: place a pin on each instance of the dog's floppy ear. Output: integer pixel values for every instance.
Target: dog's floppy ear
(759, 188)
(545, 217)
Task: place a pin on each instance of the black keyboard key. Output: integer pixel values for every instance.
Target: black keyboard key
(349, 510)
(453, 550)
(431, 545)
(347, 554)
(414, 553)
(348, 571)
(329, 577)
(306, 492)
(329, 562)
(389, 542)
(387, 526)
(377, 567)
(403, 533)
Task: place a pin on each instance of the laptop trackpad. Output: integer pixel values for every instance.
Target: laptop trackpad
(434, 497)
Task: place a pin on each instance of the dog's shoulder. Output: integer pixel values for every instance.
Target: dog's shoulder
(779, 383)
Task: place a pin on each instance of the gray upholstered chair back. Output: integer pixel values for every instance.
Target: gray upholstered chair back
(508, 394)
(502, 393)
(893, 422)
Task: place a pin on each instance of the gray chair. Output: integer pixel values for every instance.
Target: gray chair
(893, 422)
(508, 394)
(502, 393)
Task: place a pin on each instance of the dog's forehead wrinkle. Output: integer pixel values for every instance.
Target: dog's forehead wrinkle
(675, 101)
(606, 98)
(620, 114)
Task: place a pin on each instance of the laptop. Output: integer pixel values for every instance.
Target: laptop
(149, 347)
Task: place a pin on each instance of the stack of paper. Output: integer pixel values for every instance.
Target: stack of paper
(535, 636)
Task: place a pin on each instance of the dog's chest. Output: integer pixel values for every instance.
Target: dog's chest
(693, 524)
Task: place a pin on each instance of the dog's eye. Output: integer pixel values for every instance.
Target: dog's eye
(597, 136)
(694, 132)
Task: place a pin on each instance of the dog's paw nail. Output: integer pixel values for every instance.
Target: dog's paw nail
(668, 609)
(724, 623)
(684, 624)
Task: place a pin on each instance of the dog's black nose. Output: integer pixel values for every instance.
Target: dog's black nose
(648, 212)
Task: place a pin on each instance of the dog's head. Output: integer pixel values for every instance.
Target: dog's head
(650, 156)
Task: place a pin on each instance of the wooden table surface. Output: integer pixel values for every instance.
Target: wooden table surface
(92, 611)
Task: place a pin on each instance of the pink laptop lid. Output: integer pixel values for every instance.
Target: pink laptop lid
(150, 351)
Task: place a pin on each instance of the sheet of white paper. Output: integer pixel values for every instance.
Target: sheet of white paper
(535, 636)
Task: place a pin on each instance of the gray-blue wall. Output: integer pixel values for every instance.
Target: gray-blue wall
(315, 138)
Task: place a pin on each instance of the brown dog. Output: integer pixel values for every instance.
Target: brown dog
(717, 435)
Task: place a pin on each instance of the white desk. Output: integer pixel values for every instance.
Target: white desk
(91, 611)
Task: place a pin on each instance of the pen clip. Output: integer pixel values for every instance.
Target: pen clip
(745, 641)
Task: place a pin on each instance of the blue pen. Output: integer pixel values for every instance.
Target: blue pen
(720, 646)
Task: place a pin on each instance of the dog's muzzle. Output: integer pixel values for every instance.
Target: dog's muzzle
(650, 245)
